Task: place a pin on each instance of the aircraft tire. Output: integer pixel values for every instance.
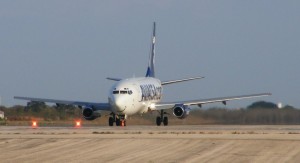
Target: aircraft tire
(118, 122)
(158, 121)
(166, 122)
(110, 121)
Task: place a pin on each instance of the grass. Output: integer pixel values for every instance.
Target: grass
(39, 133)
(163, 132)
(102, 132)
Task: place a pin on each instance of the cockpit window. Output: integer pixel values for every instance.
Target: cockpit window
(123, 92)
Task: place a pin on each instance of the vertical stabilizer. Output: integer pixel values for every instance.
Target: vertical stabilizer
(150, 70)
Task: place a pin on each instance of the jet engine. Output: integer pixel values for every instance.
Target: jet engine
(90, 114)
(181, 111)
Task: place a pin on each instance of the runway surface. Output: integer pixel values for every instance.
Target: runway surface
(199, 143)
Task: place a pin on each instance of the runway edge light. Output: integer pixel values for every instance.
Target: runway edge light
(34, 124)
(77, 123)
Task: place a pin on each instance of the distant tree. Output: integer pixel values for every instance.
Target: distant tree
(49, 113)
(262, 105)
(288, 107)
(65, 111)
(35, 106)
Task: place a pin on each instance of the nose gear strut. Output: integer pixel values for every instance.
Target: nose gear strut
(120, 120)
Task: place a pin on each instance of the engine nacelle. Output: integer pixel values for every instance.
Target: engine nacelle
(181, 111)
(89, 114)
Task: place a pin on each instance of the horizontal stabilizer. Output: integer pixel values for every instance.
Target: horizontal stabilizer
(114, 79)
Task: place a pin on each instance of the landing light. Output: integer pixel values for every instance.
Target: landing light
(152, 106)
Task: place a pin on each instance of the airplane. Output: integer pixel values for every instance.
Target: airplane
(139, 95)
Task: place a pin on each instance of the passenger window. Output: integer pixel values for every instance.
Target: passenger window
(130, 92)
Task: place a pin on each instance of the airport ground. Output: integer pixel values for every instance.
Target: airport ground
(183, 143)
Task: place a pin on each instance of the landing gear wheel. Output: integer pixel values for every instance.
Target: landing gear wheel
(158, 121)
(118, 122)
(111, 121)
(165, 121)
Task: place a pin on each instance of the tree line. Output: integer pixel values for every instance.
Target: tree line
(256, 113)
(39, 110)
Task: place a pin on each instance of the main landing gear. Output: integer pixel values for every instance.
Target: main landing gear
(162, 118)
(119, 120)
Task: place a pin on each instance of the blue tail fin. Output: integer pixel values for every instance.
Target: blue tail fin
(150, 69)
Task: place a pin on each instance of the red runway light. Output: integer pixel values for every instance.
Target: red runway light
(34, 124)
(78, 124)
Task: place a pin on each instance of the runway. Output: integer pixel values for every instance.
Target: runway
(199, 143)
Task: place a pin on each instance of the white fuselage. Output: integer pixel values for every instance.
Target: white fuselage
(135, 95)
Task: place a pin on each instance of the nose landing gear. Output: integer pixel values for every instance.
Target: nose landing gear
(120, 120)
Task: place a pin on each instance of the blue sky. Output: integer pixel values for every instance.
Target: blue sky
(64, 49)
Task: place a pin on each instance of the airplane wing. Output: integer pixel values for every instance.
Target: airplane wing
(168, 105)
(96, 106)
(180, 80)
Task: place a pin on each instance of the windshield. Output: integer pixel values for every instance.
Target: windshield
(122, 92)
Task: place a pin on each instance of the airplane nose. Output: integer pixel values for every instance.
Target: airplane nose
(120, 104)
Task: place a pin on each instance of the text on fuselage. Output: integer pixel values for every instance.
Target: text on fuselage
(150, 92)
